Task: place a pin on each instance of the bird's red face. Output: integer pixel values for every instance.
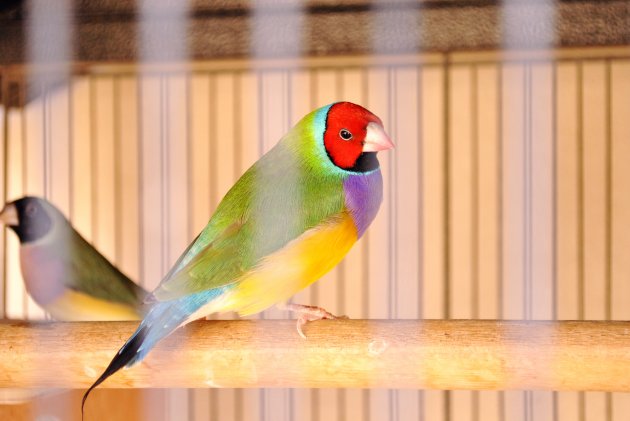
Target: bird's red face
(353, 135)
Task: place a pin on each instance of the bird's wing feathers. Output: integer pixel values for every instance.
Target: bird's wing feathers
(273, 203)
(216, 265)
(92, 274)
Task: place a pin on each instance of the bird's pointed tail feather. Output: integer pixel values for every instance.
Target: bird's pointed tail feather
(161, 321)
(163, 318)
(125, 356)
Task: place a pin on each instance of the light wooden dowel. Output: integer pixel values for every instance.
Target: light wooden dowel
(431, 354)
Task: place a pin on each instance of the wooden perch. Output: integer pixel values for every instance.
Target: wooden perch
(432, 354)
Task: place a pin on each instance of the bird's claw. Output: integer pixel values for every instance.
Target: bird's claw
(309, 314)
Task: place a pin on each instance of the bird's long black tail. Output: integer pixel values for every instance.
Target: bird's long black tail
(162, 319)
(125, 356)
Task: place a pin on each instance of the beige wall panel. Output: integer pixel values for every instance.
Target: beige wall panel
(81, 157)
(620, 209)
(58, 149)
(406, 192)
(127, 176)
(541, 186)
(594, 106)
(103, 165)
(202, 124)
(3, 182)
(13, 285)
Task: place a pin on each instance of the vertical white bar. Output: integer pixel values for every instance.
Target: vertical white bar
(513, 129)
(36, 143)
(176, 201)
(488, 212)
(225, 171)
(325, 290)
(275, 120)
(379, 234)
(301, 104)
(249, 122)
(405, 131)
(594, 205)
(462, 175)
(354, 270)
(541, 210)
(200, 97)
(152, 216)
(433, 291)
(567, 212)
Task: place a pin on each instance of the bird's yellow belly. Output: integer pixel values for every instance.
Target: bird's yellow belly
(293, 268)
(75, 306)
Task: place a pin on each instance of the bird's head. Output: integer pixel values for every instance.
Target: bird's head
(29, 217)
(353, 136)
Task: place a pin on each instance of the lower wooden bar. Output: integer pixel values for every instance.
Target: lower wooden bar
(418, 354)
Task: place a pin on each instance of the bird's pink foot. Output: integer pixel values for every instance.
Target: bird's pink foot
(308, 314)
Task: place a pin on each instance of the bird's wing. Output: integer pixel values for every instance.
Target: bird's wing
(92, 274)
(273, 203)
(217, 264)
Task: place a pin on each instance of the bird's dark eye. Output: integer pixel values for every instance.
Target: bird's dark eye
(345, 134)
(30, 210)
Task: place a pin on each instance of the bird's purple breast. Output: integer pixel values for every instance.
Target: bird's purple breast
(363, 196)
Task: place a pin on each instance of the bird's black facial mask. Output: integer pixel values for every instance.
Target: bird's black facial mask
(34, 222)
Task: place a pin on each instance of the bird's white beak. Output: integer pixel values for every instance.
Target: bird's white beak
(9, 215)
(376, 139)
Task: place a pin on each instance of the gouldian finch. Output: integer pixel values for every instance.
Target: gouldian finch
(287, 221)
(64, 273)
